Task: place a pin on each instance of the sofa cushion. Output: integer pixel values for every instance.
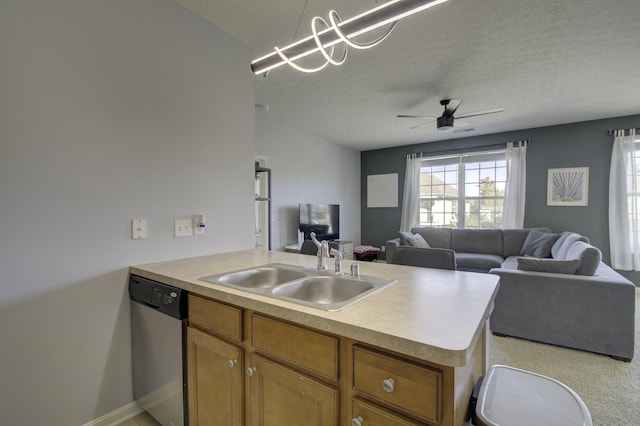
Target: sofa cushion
(566, 240)
(535, 264)
(477, 261)
(436, 237)
(485, 241)
(416, 240)
(538, 244)
(510, 262)
(589, 257)
(513, 240)
(403, 237)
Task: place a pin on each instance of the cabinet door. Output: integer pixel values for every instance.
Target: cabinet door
(215, 381)
(280, 396)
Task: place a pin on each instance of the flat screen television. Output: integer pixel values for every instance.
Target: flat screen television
(323, 219)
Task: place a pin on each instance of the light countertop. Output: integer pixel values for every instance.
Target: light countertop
(431, 314)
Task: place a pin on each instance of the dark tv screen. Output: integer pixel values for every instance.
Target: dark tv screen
(323, 219)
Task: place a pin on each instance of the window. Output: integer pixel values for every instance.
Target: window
(463, 191)
(633, 193)
(624, 202)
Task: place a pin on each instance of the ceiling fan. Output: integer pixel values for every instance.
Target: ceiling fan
(446, 120)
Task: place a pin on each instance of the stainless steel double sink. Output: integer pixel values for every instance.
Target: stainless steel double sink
(309, 287)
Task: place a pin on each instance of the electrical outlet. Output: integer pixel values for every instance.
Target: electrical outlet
(383, 248)
(183, 228)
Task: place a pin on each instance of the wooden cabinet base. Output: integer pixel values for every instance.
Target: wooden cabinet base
(246, 368)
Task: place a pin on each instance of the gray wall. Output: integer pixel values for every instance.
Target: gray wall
(109, 110)
(571, 145)
(308, 169)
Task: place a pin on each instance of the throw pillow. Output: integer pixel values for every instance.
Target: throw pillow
(404, 236)
(417, 240)
(538, 244)
(548, 265)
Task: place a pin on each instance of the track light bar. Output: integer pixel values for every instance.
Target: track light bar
(341, 32)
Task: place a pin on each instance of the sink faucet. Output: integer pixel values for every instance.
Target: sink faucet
(337, 254)
(323, 252)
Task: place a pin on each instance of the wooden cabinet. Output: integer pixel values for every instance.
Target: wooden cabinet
(217, 318)
(281, 374)
(246, 368)
(411, 389)
(281, 396)
(214, 380)
(310, 351)
(366, 414)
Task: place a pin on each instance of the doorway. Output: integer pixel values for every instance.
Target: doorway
(263, 204)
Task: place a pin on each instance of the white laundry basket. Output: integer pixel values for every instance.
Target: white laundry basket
(512, 397)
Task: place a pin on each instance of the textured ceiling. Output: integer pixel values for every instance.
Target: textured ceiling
(545, 62)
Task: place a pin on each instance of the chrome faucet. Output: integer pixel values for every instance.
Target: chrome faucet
(323, 252)
(337, 254)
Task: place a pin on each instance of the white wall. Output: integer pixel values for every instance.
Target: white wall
(109, 110)
(308, 169)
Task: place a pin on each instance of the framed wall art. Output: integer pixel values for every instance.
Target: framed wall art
(382, 190)
(568, 187)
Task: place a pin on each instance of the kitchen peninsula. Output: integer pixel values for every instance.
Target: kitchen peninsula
(407, 355)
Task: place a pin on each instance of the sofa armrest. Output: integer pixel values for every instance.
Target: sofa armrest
(390, 248)
(590, 313)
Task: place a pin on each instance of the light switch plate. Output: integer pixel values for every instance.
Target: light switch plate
(183, 228)
(138, 229)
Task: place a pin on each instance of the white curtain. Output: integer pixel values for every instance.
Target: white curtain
(411, 195)
(623, 211)
(514, 197)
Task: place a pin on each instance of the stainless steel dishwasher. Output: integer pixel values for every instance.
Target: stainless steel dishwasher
(158, 320)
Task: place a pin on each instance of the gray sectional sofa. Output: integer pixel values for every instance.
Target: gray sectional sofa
(554, 288)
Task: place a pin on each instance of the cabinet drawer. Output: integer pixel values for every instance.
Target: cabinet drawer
(370, 415)
(315, 352)
(399, 384)
(217, 318)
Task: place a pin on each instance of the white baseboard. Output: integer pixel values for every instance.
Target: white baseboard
(117, 416)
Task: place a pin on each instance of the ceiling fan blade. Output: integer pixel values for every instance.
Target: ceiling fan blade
(450, 106)
(473, 114)
(463, 129)
(421, 125)
(424, 117)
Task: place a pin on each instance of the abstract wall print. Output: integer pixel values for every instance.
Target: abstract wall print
(568, 187)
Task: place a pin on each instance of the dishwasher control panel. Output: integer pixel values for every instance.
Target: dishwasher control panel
(167, 299)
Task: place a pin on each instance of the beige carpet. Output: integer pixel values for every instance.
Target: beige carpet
(611, 389)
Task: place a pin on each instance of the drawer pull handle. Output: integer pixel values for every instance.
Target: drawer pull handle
(388, 385)
(251, 371)
(232, 363)
(357, 421)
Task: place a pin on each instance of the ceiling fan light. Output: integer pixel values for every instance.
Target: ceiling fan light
(445, 123)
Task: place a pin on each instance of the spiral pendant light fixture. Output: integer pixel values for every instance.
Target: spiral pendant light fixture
(337, 32)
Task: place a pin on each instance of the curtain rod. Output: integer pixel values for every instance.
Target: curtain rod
(457, 150)
(612, 131)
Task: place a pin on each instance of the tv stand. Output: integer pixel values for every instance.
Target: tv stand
(344, 246)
